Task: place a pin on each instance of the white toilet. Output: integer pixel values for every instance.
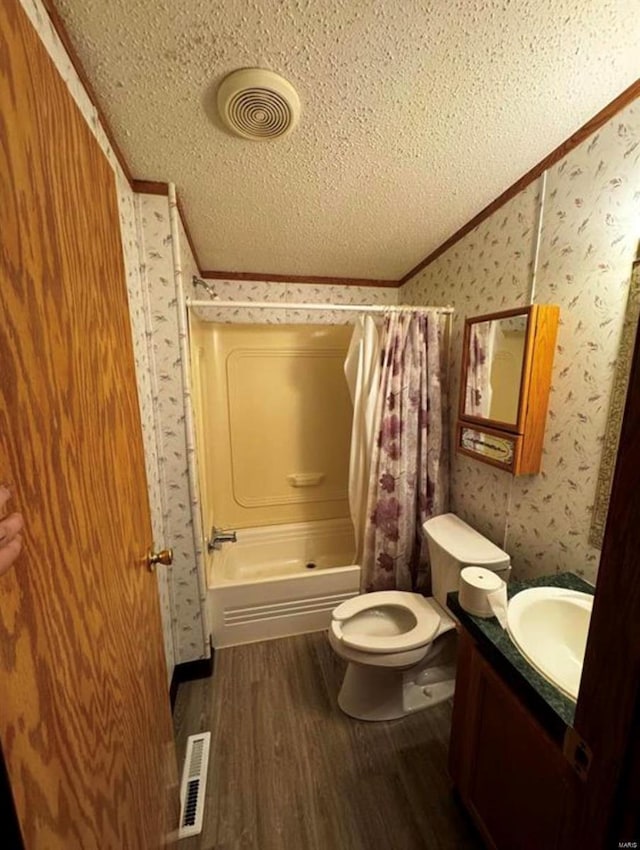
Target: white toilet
(401, 646)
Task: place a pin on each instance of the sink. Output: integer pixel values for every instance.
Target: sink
(549, 626)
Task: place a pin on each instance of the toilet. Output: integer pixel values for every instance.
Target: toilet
(401, 647)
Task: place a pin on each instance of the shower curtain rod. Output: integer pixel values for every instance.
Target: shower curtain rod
(352, 308)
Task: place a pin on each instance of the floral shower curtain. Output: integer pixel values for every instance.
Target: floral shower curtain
(478, 389)
(410, 461)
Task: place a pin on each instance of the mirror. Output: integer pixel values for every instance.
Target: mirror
(495, 365)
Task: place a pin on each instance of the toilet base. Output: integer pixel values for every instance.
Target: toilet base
(387, 693)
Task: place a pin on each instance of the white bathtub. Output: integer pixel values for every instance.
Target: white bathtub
(264, 586)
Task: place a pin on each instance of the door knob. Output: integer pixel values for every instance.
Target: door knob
(164, 556)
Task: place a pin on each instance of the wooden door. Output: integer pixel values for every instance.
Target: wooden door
(607, 715)
(85, 723)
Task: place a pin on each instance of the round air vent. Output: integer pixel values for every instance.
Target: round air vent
(258, 104)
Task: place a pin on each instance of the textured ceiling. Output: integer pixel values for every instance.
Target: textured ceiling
(415, 115)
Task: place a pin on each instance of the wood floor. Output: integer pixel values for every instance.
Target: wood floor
(289, 771)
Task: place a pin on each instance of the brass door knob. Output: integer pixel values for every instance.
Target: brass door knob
(164, 556)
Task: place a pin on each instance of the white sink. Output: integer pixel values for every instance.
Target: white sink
(549, 626)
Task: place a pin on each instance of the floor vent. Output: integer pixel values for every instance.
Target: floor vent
(194, 784)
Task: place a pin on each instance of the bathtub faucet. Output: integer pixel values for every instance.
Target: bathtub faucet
(218, 537)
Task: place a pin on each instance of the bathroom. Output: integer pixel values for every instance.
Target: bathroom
(565, 236)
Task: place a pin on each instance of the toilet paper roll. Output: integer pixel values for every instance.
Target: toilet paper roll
(476, 585)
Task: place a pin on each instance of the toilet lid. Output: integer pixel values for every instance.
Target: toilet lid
(362, 632)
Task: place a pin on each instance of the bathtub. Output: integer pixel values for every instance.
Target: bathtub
(280, 580)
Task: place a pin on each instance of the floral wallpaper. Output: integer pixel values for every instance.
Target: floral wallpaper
(182, 255)
(590, 229)
(126, 203)
(190, 632)
(485, 272)
(292, 293)
(139, 324)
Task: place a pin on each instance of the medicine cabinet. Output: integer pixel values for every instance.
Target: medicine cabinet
(504, 389)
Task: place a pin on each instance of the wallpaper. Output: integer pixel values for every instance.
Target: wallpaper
(40, 20)
(590, 229)
(182, 255)
(292, 293)
(190, 633)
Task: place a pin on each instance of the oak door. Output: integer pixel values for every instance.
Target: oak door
(85, 723)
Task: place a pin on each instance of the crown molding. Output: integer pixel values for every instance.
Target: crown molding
(606, 114)
(294, 278)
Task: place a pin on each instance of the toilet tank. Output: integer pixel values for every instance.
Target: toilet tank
(454, 545)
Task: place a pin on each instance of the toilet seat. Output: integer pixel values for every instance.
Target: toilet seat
(427, 622)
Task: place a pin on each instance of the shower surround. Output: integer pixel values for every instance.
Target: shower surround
(272, 423)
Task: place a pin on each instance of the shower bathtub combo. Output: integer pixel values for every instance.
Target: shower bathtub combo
(272, 417)
(280, 580)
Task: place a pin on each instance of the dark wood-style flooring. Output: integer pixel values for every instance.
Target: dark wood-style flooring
(289, 771)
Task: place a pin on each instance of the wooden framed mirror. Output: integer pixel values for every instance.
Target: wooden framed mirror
(505, 384)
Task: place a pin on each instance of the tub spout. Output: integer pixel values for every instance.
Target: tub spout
(218, 537)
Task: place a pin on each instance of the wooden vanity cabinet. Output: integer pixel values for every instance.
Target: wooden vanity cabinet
(512, 777)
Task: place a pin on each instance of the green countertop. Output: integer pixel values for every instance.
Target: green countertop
(552, 708)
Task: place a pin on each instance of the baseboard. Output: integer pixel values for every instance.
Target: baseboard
(202, 668)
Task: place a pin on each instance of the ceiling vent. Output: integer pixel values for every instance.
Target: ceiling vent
(258, 104)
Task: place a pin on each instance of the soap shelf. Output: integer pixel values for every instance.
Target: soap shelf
(305, 479)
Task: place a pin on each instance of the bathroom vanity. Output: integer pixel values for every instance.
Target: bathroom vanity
(509, 730)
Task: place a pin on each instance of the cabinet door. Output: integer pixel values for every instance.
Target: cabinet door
(512, 777)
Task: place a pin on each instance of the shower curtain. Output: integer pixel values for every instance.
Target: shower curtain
(362, 371)
(409, 475)
(478, 390)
